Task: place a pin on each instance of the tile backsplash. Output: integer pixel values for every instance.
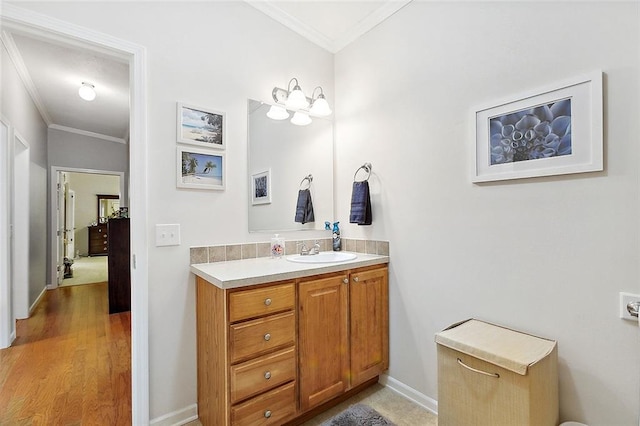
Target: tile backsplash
(224, 252)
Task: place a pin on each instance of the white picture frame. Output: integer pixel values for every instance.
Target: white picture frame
(261, 188)
(198, 168)
(200, 126)
(553, 130)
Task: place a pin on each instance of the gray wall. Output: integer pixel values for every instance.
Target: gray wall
(18, 108)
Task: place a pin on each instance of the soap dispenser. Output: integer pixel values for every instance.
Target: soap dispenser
(277, 247)
(337, 242)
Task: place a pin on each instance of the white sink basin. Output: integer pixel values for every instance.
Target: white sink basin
(323, 257)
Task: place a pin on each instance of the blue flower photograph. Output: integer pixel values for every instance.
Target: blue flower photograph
(539, 132)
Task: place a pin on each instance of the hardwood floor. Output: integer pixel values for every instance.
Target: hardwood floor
(71, 363)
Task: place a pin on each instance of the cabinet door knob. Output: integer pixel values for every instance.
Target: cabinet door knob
(267, 375)
(345, 280)
(356, 279)
(267, 414)
(267, 337)
(267, 302)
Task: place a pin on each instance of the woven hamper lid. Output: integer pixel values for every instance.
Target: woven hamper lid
(509, 349)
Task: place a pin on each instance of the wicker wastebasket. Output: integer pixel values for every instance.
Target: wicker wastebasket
(493, 376)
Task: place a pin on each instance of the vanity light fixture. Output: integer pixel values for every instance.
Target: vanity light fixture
(296, 101)
(319, 105)
(301, 119)
(87, 91)
(277, 112)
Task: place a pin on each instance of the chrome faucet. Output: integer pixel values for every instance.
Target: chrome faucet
(304, 250)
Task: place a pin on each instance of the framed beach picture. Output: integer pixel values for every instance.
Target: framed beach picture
(261, 188)
(553, 130)
(200, 126)
(200, 169)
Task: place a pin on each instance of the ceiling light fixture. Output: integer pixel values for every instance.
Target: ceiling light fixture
(87, 91)
(296, 101)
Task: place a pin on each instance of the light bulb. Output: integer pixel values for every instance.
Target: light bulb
(87, 92)
(320, 107)
(277, 113)
(300, 119)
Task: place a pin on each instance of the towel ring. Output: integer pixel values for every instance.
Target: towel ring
(309, 179)
(367, 168)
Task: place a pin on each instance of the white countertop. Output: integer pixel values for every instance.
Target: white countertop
(240, 273)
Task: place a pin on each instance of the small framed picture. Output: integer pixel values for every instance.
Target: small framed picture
(200, 126)
(200, 169)
(261, 188)
(553, 130)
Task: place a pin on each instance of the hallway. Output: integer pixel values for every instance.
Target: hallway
(70, 364)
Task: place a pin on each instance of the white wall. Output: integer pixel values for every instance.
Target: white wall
(87, 186)
(17, 107)
(213, 54)
(547, 256)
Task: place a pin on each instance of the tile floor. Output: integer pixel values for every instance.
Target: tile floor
(390, 404)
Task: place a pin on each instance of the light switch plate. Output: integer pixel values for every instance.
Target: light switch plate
(167, 235)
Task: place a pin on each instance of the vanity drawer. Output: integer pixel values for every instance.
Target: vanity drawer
(261, 301)
(270, 408)
(258, 336)
(261, 374)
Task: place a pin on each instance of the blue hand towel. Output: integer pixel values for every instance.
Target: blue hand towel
(360, 204)
(304, 207)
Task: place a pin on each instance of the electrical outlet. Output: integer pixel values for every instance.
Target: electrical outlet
(167, 235)
(625, 299)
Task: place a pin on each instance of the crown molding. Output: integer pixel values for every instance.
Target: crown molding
(370, 22)
(316, 37)
(87, 133)
(16, 58)
(293, 23)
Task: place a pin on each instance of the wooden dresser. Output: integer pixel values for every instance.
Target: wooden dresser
(98, 240)
(119, 265)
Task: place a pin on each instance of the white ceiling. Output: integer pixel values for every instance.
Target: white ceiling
(53, 69)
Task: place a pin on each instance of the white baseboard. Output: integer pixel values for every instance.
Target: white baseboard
(178, 417)
(411, 394)
(35, 303)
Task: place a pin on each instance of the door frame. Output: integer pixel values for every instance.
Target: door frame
(19, 205)
(138, 203)
(7, 321)
(54, 173)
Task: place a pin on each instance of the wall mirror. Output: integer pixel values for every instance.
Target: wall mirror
(108, 206)
(280, 156)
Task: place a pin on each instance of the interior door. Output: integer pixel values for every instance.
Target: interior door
(69, 219)
(60, 227)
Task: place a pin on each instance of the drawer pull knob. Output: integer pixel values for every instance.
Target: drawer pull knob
(104, 242)
(267, 414)
(105, 235)
(356, 279)
(267, 337)
(267, 302)
(346, 280)
(475, 370)
(267, 375)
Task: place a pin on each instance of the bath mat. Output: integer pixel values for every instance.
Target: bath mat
(358, 415)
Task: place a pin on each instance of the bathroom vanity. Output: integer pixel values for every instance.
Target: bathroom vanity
(280, 341)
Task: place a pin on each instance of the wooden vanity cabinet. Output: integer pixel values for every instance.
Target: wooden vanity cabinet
(246, 351)
(343, 332)
(323, 339)
(271, 353)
